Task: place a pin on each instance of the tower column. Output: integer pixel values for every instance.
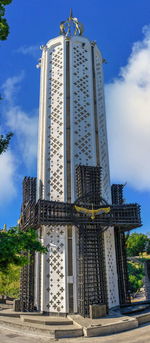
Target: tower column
(54, 285)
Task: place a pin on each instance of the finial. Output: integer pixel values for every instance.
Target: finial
(71, 14)
(71, 26)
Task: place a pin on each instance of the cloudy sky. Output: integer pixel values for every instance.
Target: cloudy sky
(122, 32)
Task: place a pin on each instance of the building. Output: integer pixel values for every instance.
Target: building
(73, 211)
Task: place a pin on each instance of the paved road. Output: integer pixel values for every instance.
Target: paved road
(139, 335)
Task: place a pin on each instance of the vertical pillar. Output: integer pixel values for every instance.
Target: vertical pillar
(123, 282)
(54, 288)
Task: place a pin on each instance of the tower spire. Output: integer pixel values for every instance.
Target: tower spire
(71, 13)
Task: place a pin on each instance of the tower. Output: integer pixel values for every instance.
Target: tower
(72, 132)
(73, 211)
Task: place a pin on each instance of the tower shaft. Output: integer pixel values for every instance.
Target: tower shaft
(72, 129)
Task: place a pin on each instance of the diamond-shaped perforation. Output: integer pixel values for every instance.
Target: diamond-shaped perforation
(111, 266)
(82, 107)
(55, 129)
(55, 239)
(102, 130)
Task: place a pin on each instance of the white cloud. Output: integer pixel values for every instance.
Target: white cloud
(8, 165)
(24, 127)
(11, 87)
(33, 50)
(24, 142)
(22, 124)
(128, 115)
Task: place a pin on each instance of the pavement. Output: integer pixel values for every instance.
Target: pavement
(139, 335)
(17, 327)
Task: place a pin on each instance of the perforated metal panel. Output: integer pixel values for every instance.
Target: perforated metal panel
(55, 269)
(52, 127)
(82, 111)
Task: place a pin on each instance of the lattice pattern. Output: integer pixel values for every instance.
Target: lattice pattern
(27, 285)
(29, 190)
(104, 162)
(55, 128)
(55, 273)
(92, 287)
(123, 282)
(82, 105)
(110, 256)
(88, 184)
(117, 194)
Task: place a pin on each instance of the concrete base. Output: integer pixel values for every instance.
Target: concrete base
(72, 326)
(110, 328)
(143, 318)
(39, 324)
(97, 311)
(104, 326)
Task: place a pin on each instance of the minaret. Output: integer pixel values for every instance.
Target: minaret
(72, 132)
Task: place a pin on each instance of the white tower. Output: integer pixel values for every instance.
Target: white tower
(72, 132)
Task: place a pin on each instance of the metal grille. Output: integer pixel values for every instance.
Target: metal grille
(46, 212)
(123, 282)
(27, 272)
(27, 286)
(117, 194)
(88, 184)
(91, 279)
(29, 190)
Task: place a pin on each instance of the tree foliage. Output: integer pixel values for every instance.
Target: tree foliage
(4, 27)
(10, 282)
(15, 242)
(136, 275)
(4, 31)
(137, 243)
(4, 142)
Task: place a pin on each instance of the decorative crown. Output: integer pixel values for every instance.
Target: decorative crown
(71, 26)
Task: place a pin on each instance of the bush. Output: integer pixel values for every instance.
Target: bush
(136, 275)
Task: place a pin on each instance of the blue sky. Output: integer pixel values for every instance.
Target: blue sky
(122, 32)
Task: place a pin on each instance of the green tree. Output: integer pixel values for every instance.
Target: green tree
(136, 244)
(136, 275)
(4, 142)
(4, 27)
(14, 244)
(4, 31)
(10, 282)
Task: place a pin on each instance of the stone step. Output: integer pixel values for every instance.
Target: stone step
(54, 331)
(105, 325)
(11, 313)
(111, 328)
(46, 320)
(81, 326)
